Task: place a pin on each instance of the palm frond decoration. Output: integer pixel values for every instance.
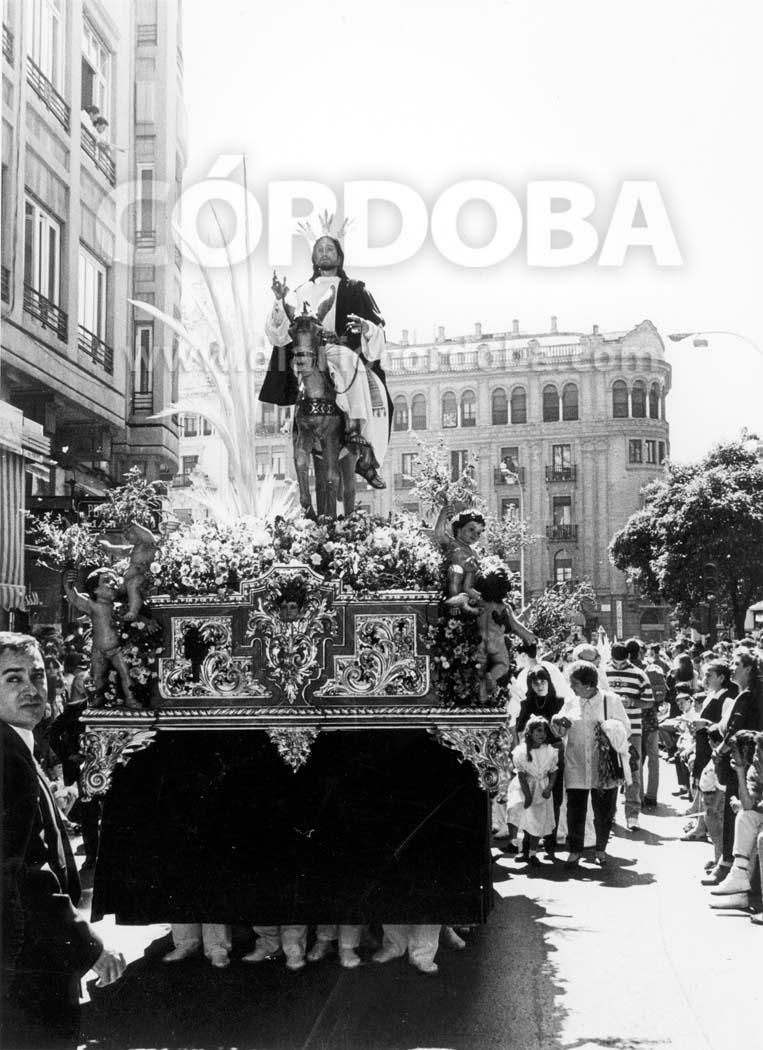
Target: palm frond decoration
(231, 406)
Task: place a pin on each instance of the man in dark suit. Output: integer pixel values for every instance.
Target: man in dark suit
(46, 945)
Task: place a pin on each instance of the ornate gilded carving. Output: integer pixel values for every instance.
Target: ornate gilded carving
(104, 749)
(385, 661)
(202, 662)
(488, 750)
(292, 623)
(294, 745)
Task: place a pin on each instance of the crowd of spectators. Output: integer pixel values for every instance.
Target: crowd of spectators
(697, 710)
(57, 736)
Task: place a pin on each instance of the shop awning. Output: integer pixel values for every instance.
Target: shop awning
(11, 530)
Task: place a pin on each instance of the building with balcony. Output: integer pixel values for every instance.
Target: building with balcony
(92, 165)
(567, 429)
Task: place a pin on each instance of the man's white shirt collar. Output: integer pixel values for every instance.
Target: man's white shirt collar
(26, 735)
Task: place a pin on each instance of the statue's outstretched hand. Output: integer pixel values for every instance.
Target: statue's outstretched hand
(280, 288)
(361, 323)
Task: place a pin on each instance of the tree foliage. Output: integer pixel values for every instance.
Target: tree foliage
(702, 513)
(553, 614)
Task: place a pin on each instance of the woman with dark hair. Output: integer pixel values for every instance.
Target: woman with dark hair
(542, 700)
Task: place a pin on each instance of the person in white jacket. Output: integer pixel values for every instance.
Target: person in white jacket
(577, 724)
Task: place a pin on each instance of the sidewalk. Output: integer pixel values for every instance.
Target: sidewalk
(630, 958)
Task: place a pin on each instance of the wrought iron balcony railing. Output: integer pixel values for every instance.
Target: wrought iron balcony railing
(94, 347)
(510, 477)
(7, 44)
(143, 401)
(99, 153)
(562, 533)
(561, 473)
(43, 88)
(5, 285)
(46, 312)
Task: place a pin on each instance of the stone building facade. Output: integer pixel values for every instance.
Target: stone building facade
(566, 428)
(93, 154)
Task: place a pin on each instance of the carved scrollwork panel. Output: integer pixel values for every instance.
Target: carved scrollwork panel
(488, 750)
(104, 749)
(202, 664)
(292, 621)
(385, 661)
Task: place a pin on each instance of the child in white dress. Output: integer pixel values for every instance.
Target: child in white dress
(529, 804)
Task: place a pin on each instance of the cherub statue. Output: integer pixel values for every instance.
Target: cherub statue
(457, 543)
(107, 651)
(143, 551)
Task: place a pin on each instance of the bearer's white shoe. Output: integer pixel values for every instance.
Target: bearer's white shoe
(349, 958)
(319, 951)
(386, 955)
(178, 954)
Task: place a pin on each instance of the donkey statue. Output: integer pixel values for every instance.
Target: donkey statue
(323, 434)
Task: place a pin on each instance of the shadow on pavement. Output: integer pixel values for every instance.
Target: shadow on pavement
(498, 994)
(616, 875)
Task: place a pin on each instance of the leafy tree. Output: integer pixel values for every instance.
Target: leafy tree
(699, 515)
(553, 614)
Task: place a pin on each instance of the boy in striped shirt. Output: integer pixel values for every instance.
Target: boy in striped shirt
(632, 686)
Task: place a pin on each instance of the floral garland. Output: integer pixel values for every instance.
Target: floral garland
(366, 553)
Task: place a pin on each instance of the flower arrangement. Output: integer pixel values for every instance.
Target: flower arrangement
(434, 485)
(366, 553)
(141, 642)
(61, 545)
(136, 501)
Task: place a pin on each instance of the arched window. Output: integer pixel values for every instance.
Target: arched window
(562, 567)
(550, 404)
(654, 401)
(638, 400)
(449, 410)
(400, 413)
(518, 405)
(620, 400)
(419, 412)
(499, 408)
(570, 402)
(468, 409)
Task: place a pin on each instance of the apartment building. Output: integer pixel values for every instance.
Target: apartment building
(93, 154)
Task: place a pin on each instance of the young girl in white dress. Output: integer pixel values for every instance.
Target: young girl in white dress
(529, 803)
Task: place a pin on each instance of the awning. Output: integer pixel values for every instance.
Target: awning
(11, 530)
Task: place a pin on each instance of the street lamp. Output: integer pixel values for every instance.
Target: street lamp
(701, 341)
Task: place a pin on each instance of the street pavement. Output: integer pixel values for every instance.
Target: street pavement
(627, 958)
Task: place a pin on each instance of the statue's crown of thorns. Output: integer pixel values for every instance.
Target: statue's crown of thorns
(327, 221)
